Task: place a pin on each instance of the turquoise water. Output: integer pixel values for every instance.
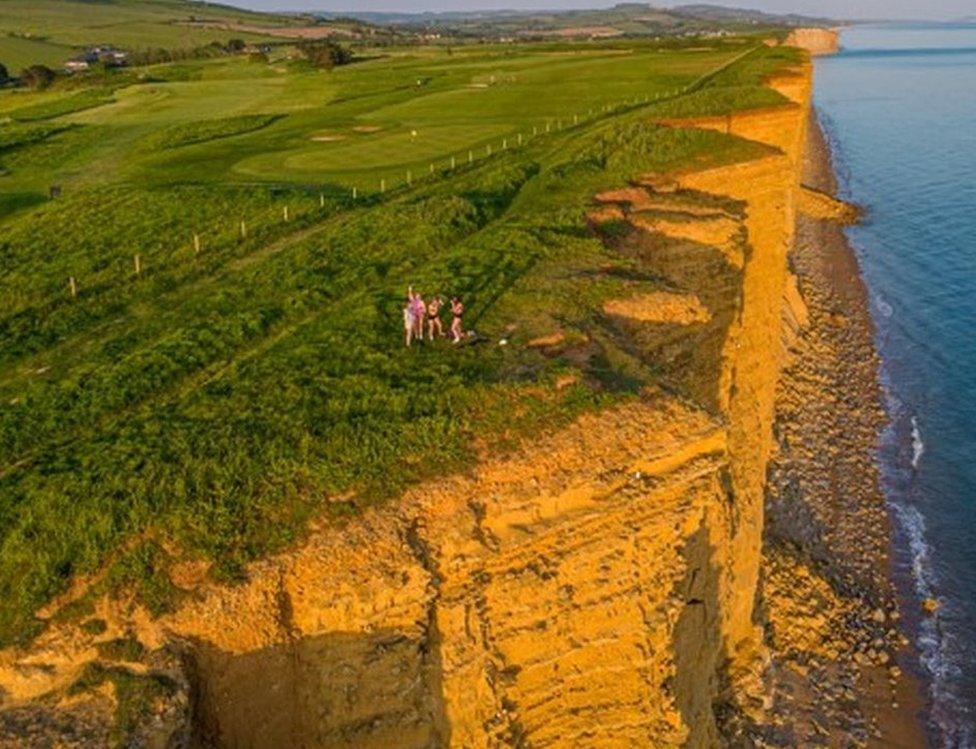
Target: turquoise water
(899, 106)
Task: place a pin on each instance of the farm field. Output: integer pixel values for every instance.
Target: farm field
(49, 31)
(241, 234)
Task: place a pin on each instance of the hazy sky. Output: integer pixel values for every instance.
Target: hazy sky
(934, 9)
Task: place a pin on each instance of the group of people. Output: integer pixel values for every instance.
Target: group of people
(418, 312)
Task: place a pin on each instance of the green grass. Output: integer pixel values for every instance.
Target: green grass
(48, 31)
(70, 102)
(221, 398)
(202, 131)
(17, 53)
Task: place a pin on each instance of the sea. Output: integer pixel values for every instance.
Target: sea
(899, 108)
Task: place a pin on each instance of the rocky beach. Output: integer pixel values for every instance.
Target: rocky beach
(843, 674)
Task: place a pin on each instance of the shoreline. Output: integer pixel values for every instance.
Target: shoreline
(829, 532)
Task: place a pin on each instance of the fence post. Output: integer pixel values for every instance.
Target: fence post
(488, 150)
(196, 243)
(470, 157)
(321, 200)
(243, 230)
(138, 265)
(453, 162)
(355, 193)
(409, 177)
(504, 144)
(72, 287)
(575, 119)
(382, 185)
(520, 139)
(284, 213)
(431, 168)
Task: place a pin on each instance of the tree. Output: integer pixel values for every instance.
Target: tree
(326, 55)
(38, 76)
(4, 75)
(235, 45)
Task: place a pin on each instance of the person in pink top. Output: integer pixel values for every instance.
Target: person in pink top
(419, 309)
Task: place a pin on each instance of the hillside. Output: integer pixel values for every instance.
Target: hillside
(50, 31)
(621, 20)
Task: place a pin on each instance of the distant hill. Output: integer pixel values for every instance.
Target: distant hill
(623, 19)
(703, 11)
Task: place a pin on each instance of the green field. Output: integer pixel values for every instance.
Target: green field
(218, 399)
(50, 31)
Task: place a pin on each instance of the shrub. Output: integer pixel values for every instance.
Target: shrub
(326, 55)
(38, 76)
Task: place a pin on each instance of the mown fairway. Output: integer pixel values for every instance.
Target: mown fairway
(213, 402)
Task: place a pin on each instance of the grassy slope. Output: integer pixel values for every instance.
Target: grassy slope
(49, 31)
(219, 399)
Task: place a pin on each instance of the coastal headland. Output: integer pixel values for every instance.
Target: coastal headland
(701, 564)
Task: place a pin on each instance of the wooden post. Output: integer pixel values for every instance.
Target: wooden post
(488, 150)
(72, 287)
(575, 119)
(243, 230)
(431, 168)
(520, 139)
(382, 185)
(409, 177)
(535, 130)
(453, 162)
(196, 243)
(284, 213)
(504, 144)
(138, 265)
(355, 193)
(321, 200)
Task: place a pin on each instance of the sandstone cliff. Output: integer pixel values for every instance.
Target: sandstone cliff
(815, 41)
(599, 588)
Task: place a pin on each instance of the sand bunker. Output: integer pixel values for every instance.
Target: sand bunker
(327, 138)
(366, 129)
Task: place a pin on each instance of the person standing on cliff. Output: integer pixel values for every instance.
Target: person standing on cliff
(434, 318)
(419, 310)
(457, 309)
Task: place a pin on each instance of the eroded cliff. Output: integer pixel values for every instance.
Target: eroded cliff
(596, 588)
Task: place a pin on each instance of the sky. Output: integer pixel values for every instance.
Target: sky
(915, 9)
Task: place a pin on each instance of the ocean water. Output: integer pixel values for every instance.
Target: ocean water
(899, 107)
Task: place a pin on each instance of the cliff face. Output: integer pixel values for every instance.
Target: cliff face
(815, 41)
(597, 589)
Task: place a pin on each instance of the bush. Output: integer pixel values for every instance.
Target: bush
(38, 76)
(326, 55)
(4, 75)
